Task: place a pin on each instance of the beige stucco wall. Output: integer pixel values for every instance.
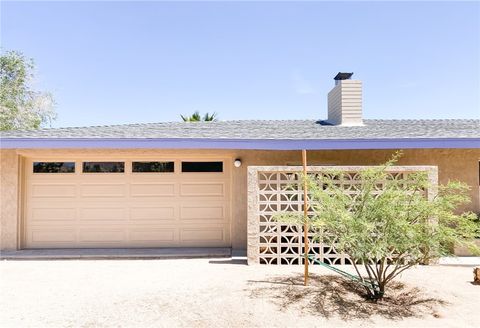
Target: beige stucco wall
(453, 164)
(459, 164)
(8, 199)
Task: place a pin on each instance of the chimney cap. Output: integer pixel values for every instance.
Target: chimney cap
(343, 76)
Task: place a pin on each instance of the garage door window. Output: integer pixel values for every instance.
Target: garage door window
(153, 167)
(103, 167)
(53, 167)
(202, 166)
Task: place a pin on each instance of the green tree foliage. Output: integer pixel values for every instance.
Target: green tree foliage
(196, 117)
(390, 225)
(21, 107)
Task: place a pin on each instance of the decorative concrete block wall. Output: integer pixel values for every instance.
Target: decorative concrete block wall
(274, 189)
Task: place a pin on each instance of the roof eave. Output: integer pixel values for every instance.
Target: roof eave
(260, 144)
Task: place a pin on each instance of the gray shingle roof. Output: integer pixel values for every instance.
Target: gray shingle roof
(270, 129)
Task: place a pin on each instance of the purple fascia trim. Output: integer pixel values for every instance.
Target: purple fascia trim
(260, 144)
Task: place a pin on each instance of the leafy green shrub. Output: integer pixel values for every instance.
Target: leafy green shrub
(390, 225)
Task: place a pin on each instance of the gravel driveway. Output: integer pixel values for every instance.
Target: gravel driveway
(222, 293)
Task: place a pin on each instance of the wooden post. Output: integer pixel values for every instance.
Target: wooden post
(305, 216)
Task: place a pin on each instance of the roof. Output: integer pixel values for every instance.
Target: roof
(298, 132)
(271, 129)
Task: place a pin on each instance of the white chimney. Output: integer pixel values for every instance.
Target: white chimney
(345, 101)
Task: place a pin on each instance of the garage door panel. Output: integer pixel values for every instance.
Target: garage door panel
(152, 189)
(53, 214)
(51, 190)
(205, 213)
(114, 210)
(149, 235)
(202, 235)
(103, 189)
(202, 189)
(103, 214)
(204, 176)
(45, 237)
(102, 235)
(153, 213)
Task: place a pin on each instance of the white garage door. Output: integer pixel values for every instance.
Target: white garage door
(72, 203)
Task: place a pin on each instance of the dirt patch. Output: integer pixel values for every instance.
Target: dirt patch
(330, 296)
(225, 293)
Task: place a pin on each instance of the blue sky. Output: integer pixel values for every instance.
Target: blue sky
(121, 62)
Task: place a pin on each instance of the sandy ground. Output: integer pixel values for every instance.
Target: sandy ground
(223, 293)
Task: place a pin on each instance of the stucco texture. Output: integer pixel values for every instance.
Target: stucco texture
(8, 199)
(453, 164)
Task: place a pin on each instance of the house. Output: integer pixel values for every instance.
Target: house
(185, 184)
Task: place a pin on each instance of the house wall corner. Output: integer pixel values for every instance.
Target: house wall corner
(9, 193)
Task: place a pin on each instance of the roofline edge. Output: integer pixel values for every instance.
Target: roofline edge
(260, 144)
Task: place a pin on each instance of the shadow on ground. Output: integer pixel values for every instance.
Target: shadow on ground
(333, 296)
(229, 261)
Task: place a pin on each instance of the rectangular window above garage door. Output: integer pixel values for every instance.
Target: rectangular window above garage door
(53, 167)
(103, 167)
(153, 167)
(202, 166)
